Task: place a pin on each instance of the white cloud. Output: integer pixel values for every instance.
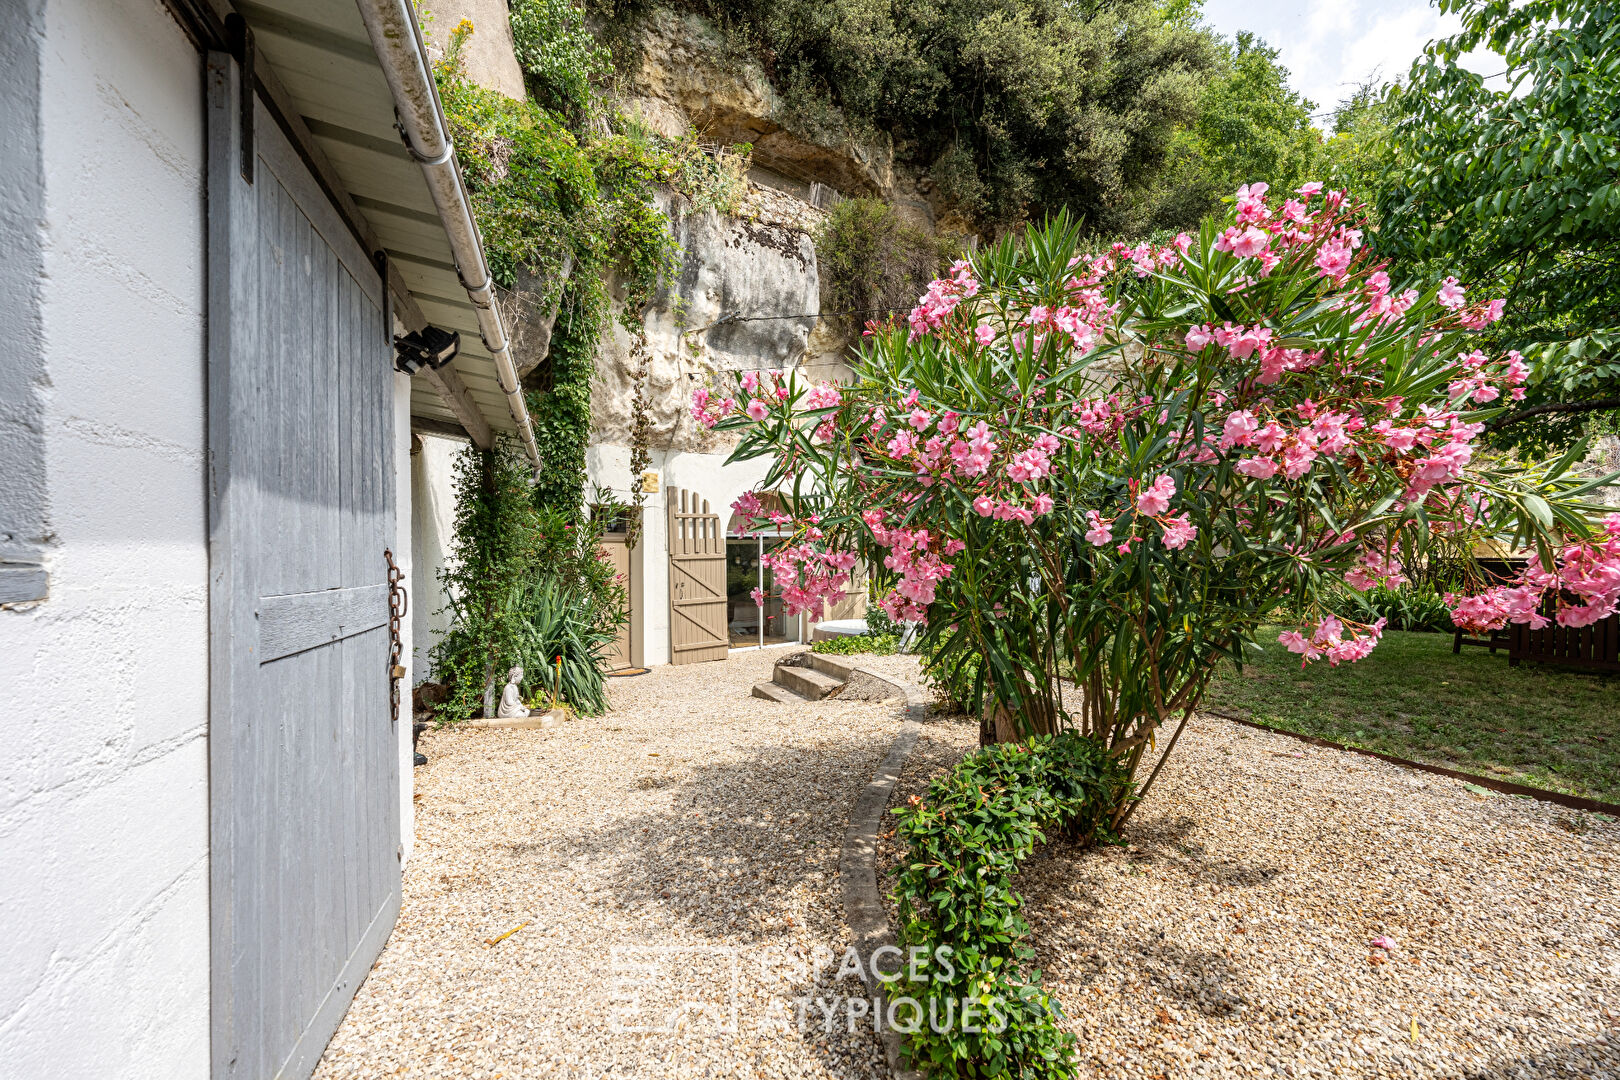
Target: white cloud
(1332, 46)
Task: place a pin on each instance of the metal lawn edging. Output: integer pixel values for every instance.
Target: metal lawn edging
(1506, 787)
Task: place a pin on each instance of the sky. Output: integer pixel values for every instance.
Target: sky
(1330, 46)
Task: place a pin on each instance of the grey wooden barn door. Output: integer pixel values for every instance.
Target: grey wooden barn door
(304, 760)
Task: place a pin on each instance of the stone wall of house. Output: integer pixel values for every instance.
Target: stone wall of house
(104, 773)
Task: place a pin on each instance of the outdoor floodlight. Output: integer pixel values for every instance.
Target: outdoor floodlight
(428, 347)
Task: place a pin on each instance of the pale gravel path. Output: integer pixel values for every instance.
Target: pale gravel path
(1258, 872)
(1231, 937)
(692, 815)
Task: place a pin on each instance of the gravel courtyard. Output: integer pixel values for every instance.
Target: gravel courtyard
(683, 850)
(1231, 936)
(692, 816)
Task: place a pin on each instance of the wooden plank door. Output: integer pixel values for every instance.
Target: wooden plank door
(303, 755)
(697, 580)
(616, 549)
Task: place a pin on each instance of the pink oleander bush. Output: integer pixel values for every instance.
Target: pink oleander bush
(1098, 474)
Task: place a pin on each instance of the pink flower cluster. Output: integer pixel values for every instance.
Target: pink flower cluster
(1451, 296)
(1287, 445)
(1266, 237)
(1103, 418)
(1384, 305)
(765, 390)
(1155, 500)
(1144, 258)
(941, 299)
(709, 410)
(1333, 641)
(806, 577)
(1152, 502)
(1082, 321)
(1036, 462)
(1588, 570)
(918, 557)
(1376, 569)
(1474, 378)
(1437, 443)
(824, 395)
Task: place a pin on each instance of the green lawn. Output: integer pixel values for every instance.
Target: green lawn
(1547, 727)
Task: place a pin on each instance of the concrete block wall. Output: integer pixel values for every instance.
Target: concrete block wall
(103, 686)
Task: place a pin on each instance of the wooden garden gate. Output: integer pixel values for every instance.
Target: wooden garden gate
(697, 581)
(303, 756)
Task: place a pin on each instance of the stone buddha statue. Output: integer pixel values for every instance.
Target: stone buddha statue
(512, 706)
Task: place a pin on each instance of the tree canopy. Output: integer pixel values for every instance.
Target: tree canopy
(1129, 113)
(1250, 126)
(1519, 189)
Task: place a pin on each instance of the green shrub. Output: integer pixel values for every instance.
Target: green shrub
(558, 624)
(491, 548)
(1412, 608)
(559, 55)
(956, 678)
(878, 622)
(965, 840)
(855, 644)
(872, 263)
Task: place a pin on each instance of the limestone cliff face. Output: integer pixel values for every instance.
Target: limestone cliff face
(488, 55)
(747, 288)
(742, 300)
(685, 77)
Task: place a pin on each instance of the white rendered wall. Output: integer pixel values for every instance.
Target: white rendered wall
(103, 686)
(433, 510)
(433, 518)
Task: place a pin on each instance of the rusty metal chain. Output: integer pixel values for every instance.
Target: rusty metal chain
(398, 604)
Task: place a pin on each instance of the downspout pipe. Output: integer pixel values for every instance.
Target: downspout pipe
(397, 39)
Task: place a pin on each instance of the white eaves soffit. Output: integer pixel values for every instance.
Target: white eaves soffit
(321, 54)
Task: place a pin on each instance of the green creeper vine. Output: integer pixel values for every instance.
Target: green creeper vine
(565, 193)
(491, 547)
(565, 198)
(640, 433)
(526, 588)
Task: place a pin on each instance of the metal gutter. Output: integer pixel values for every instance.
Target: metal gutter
(403, 56)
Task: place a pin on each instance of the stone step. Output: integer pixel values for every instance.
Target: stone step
(836, 666)
(772, 692)
(806, 682)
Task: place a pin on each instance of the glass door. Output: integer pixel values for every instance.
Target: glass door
(750, 623)
(742, 578)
